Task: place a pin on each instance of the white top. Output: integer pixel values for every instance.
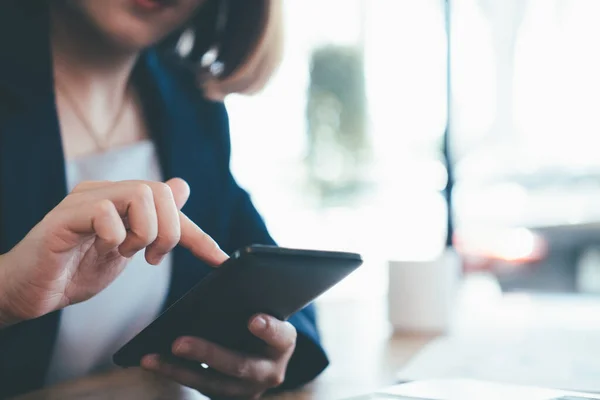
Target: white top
(91, 332)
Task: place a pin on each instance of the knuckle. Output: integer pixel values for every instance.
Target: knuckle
(53, 219)
(168, 239)
(147, 236)
(81, 186)
(87, 185)
(212, 245)
(74, 199)
(241, 370)
(276, 379)
(103, 208)
(273, 328)
(142, 191)
(116, 237)
(47, 231)
(206, 351)
(162, 189)
(204, 236)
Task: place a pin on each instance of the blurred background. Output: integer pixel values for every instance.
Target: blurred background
(372, 125)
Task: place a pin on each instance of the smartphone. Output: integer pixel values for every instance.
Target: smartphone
(257, 279)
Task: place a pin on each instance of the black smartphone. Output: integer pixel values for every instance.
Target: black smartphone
(257, 279)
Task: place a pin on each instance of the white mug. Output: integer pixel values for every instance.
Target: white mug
(422, 294)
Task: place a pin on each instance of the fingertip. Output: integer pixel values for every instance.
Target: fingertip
(258, 323)
(179, 182)
(154, 258)
(219, 258)
(181, 346)
(181, 191)
(292, 330)
(200, 243)
(216, 255)
(151, 361)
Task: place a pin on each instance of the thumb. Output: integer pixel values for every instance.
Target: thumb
(181, 191)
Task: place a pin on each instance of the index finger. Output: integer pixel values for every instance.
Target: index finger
(200, 243)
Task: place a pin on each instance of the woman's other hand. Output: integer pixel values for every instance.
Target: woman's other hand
(84, 243)
(232, 375)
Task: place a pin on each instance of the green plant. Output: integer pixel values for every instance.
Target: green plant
(336, 112)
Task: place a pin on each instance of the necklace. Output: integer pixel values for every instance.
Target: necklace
(102, 140)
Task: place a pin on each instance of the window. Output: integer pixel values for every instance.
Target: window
(525, 101)
(342, 149)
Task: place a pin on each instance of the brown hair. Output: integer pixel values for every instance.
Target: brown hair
(248, 37)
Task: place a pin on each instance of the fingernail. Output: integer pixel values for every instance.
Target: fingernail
(150, 362)
(259, 323)
(181, 347)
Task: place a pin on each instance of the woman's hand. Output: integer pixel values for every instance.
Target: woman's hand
(234, 376)
(83, 244)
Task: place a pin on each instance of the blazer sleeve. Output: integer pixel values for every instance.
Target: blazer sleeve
(246, 227)
(309, 358)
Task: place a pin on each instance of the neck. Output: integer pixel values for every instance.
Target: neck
(93, 69)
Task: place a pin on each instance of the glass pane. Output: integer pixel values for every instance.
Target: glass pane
(342, 149)
(524, 124)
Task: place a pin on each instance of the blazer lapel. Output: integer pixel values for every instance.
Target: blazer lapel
(32, 170)
(32, 175)
(31, 184)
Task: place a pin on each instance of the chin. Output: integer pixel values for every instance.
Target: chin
(132, 37)
(134, 24)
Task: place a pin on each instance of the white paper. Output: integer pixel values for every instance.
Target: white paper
(568, 360)
(477, 390)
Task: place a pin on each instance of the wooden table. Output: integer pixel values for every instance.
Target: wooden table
(364, 357)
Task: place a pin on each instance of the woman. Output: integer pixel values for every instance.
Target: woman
(100, 102)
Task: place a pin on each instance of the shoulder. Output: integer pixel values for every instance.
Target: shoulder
(25, 61)
(179, 80)
(182, 96)
(22, 22)
(19, 11)
(179, 84)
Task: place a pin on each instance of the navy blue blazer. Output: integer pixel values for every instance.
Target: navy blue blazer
(192, 137)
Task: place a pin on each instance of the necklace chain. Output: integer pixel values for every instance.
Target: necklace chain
(102, 140)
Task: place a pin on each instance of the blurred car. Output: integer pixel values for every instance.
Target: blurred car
(533, 223)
